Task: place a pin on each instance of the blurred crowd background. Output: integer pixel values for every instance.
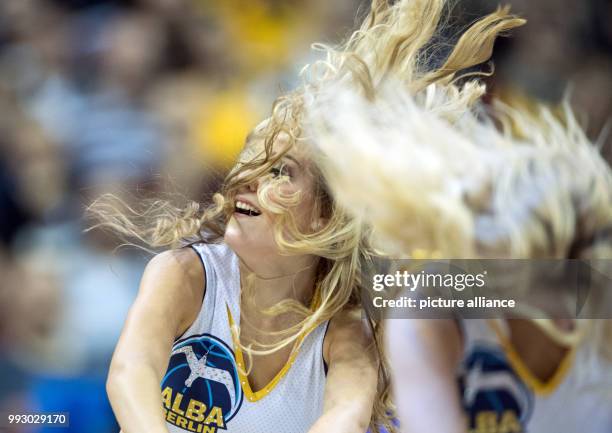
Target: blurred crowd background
(148, 97)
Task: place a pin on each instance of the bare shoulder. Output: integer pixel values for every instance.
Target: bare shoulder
(175, 278)
(440, 340)
(180, 266)
(347, 332)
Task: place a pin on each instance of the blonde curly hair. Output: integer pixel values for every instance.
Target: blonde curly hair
(475, 183)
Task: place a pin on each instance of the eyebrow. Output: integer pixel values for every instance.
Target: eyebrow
(292, 159)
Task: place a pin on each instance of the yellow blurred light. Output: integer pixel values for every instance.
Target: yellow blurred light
(220, 130)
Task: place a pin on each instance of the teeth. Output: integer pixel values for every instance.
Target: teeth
(242, 205)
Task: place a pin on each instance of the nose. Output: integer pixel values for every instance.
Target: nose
(253, 185)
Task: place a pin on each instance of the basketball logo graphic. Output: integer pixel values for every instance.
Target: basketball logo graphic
(201, 391)
(494, 397)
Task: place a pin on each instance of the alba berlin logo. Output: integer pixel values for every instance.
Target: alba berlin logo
(201, 391)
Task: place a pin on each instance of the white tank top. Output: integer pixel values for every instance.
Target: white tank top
(501, 396)
(204, 390)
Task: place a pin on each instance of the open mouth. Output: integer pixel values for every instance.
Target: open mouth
(246, 209)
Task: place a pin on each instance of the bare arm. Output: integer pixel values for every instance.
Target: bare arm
(168, 302)
(424, 355)
(352, 377)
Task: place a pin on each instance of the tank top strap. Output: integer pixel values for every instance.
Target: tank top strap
(222, 275)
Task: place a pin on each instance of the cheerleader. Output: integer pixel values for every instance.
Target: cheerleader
(255, 324)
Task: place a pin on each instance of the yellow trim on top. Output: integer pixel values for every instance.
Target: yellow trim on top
(244, 380)
(539, 387)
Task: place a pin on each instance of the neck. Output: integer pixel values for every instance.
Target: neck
(269, 285)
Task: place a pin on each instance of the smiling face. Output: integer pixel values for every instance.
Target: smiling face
(287, 187)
